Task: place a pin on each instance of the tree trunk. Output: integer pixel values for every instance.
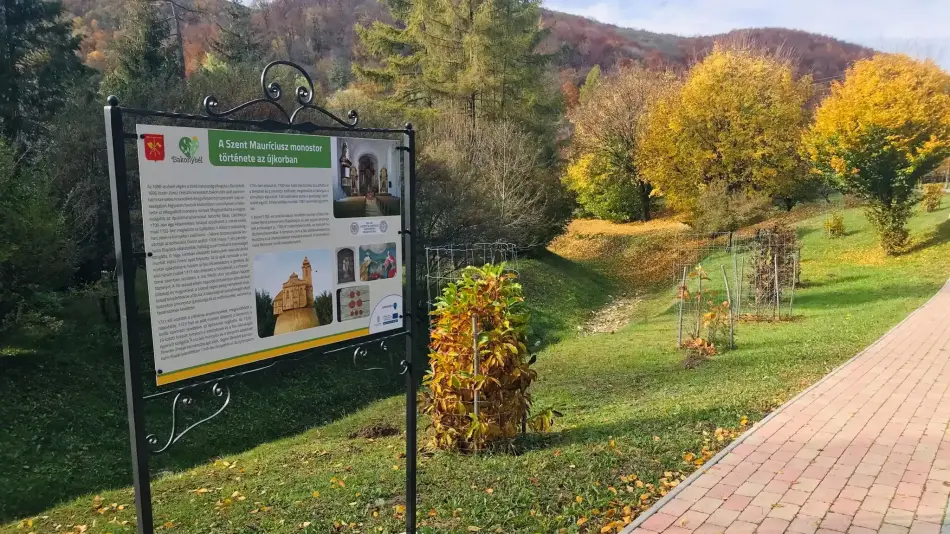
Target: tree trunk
(10, 86)
(181, 42)
(645, 190)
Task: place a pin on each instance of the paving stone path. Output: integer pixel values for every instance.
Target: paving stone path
(865, 450)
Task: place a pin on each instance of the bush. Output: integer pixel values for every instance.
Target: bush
(719, 210)
(891, 225)
(323, 307)
(603, 192)
(834, 225)
(494, 299)
(35, 254)
(933, 196)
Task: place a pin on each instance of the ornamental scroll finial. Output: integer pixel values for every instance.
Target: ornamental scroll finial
(273, 92)
(217, 390)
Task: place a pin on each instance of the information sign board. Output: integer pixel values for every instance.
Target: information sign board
(262, 244)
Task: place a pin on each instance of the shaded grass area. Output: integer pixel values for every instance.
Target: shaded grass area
(64, 413)
(63, 394)
(629, 408)
(560, 294)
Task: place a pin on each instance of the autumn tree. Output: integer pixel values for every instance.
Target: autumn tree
(571, 94)
(733, 128)
(37, 62)
(608, 126)
(882, 129)
(478, 56)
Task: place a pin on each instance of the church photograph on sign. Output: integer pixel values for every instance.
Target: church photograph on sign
(369, 178)
(293, 291)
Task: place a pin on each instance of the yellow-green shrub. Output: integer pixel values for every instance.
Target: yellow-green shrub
(494, 298)
(834, 225)
(933, 196)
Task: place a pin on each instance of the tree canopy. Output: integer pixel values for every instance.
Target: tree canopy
(736, 122)
(479, 56)
(239, 39)
(880, 131)
(608, 126)
(142, 51)
(38, 62)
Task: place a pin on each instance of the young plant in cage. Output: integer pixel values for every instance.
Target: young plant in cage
(774, 272)
(705, 314)
(477, 387)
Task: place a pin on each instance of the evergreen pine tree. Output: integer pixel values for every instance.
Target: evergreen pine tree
(590, 83)
(239, 40)
(37, 62)
(477, 55)
(143, 53)
(340, 72)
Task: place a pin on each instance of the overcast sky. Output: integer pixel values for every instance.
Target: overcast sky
(917, 27)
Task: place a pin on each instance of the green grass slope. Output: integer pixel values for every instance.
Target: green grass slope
(629, 408)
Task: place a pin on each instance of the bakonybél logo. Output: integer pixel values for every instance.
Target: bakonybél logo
(189, 148)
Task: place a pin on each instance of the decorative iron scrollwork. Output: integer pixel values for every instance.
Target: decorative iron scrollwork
(181, 399)
(272, 94)
(362, 351)
(182, 396)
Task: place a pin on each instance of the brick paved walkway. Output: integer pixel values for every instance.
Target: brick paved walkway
(865, 450)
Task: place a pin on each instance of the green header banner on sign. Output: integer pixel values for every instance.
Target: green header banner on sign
(229, 148)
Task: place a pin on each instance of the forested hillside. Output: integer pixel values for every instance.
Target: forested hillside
(319, 32)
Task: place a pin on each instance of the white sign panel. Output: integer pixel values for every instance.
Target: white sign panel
(262, 244)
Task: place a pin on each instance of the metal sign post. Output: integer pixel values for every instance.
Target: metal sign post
(402, 316)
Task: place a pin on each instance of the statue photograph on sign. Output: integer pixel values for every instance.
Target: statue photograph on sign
(345, 266)
(368, 178)
(293, 291)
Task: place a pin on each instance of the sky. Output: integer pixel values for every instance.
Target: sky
(272, 270)
(917, 27)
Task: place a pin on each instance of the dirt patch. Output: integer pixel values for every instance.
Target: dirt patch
(614, 316)
(375, 431)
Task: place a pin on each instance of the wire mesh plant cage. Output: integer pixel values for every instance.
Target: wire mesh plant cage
(704, 267)
(769, 273)
(445, 265)
(729, 277)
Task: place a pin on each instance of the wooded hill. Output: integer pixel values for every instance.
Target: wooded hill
(318, 33)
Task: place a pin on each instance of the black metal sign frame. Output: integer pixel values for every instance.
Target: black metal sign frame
(117, 139)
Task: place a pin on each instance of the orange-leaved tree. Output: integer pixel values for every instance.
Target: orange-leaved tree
(881, 130)
(732, 130)
(484, 310)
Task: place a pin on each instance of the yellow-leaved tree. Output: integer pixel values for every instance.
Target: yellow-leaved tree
(881, 130)
(607, 125)
(730, 133)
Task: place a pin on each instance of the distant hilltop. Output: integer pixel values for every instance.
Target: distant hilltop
(319, 32)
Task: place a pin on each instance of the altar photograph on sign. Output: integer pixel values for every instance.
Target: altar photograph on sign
(368, 182)
(377, 262)
(293, 291)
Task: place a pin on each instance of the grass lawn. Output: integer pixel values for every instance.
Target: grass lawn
(629, 406)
